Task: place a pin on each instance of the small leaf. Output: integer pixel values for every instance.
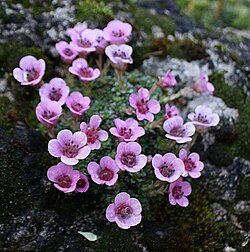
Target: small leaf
(88, 235)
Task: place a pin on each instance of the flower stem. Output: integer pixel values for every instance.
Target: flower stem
(192, 142)
(51, 132)
(153, 88)
(182, 92)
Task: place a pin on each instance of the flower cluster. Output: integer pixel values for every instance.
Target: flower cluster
(73, 147)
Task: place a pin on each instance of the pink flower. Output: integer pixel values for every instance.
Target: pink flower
(168, 80)
(69, 147)
(127, 130)
(56, 90)
(66, 52)
(203, 85)
(82, 184)
(120, 55)
(177, 192)
(125, 211)
(64, 177)
(170, 111)
(94, 133)
(48, 112)
(204, 117)
(192, 163)
(117, 32)
(77, 29)
(31, 71)
(145, 108)
(101, 42)
(178, 131)
(80, 68)
(85, 42)
(168, 167)
(77, 104)
(128, 157)
(105, 173)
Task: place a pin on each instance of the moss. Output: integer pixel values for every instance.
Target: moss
(244, 189)
(122, 239)
(183, 49)
(11, 53)
(240, 146)
(93, 11)
(197, 222)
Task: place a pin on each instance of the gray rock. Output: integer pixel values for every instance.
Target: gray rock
(219, 212)
(242, 207)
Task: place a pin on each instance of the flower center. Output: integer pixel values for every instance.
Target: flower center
(143, 106)
(178, 132)
(77, 106)
(120, 54)
(47, 114)
(106, 174)
(80, 183)
(55, 95)
(189, 164)
(92, 135)
(166, 171)
(99, 39)
(67, 52)
(128, 159)
(201, 118)
(30, 75)
(84, 42)
(126, 133)
(86, 72)
(123, 211)
(70, 150)
(64, 181)
(119, 33)
(177, 192)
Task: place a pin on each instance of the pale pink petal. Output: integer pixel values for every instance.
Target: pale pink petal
(110, 212)
(122, 197)
(54, 148)
(183, 201)
(69, 161)
(83, 152)
(154, 106)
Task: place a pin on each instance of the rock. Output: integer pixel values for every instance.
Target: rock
(219, 212)
(242, 207)
(224, 183)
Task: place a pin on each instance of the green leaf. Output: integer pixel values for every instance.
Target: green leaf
(88, 235)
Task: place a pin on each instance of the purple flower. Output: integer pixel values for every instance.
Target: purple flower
(31, 71)
(64, 177)
(203, 85)
(117, 32)
(77, 104)
(204, 117)
(192, 163)
(170, 111)
(82, 184)
(145, 108)
(48, 112)
(125, 211)
(77, 29)
(66, 52)
(120, 55)
(168, 167)
(94, 133)
(101, 42)
(69, 147)
(168, 80)
(105, 173)
(178, 131)
(85, 42)
(127, 130)
(177, 192)
(80, 68)
(56, 90)
(128, 157)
